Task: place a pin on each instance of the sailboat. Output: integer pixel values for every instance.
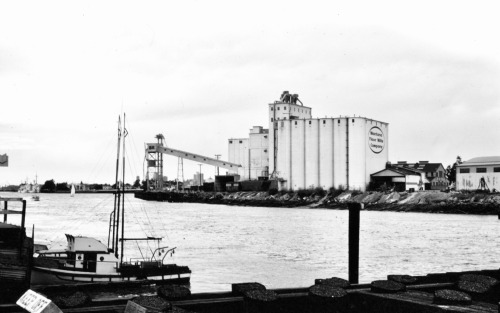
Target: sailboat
(87, 260)
(72, 190)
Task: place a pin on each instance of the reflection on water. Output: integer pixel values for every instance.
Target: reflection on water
(278, 247)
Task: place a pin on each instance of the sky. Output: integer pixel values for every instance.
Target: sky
(201, 72)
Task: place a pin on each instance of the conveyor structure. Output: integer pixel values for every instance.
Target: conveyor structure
(154, 152)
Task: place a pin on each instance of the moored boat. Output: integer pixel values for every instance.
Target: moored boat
(87, 260)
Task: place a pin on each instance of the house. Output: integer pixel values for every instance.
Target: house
(435, 178)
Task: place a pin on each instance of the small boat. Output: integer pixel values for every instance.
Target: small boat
(87, 260)
(72, 190)
(35, 198)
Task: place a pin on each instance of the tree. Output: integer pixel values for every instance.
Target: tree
(451, 171)
(49, 186)
(137, 183)
(62, 187)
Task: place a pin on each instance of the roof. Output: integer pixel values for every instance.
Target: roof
(398, 171)
(422, 166)
(482, 161)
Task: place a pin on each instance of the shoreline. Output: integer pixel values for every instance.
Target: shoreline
(417, 202)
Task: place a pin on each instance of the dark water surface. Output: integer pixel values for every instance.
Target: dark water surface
(278, 247)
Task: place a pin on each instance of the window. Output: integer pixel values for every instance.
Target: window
(324, 121)
(496, 169)
(271, 109)
(230, 141)
(338, 121)
(284, 118)
(241, 141)
(481, 170)
(278, 108)
(295, 122)
(353, 120)
(309, 122)
(271, 119)
(465, 170)
(265, 136)
(265, 150)
(284, 108)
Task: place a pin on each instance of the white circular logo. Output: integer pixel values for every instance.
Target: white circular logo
(376, 140)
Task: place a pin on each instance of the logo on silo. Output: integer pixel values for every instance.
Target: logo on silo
(376, 139)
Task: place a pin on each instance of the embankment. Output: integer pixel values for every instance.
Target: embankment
(422, 201)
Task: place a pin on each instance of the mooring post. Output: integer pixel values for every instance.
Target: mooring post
(354, 213)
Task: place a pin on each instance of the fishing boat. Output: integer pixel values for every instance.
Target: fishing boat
(88, 260)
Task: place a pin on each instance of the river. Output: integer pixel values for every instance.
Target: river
(278, 247)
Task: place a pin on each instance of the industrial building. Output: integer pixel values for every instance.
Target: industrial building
(399, 177)
(303, 152)
(481, 173)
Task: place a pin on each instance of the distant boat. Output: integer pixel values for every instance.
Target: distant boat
(87, 260)
(35, 198)
(72, 190)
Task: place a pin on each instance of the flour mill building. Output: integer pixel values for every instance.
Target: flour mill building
(303, 152)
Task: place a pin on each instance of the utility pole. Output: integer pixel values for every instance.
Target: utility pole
(217, 168)
(199, 187)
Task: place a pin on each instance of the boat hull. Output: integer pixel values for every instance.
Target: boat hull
(41, 276)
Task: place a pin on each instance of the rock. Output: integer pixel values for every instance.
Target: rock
(490, 281)
(446, 296)
(403, 279)
(239, 289)
(154, 303)
(260, 295)
(387, 286)
(173, 292)
(327, 291)
(334, 282)
(76, 299)
(473, 287)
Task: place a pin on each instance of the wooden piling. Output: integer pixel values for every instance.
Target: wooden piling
(354, 218)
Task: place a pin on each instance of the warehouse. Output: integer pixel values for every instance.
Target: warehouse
(306, 152)
(481, 173)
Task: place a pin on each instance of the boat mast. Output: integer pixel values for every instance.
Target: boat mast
(125, 133)
(117, 194)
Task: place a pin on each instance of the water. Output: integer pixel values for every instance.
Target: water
(278, 247)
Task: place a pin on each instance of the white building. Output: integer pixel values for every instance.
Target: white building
(306, 152)
(198, 179)
(252, 153)
(470, 173)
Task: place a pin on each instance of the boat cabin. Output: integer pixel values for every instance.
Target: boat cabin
(84, 254)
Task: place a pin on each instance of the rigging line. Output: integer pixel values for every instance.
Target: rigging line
(130, 166)
(104, 152)
(140, 250)
(149, 220)
(141, 224)
(132, 140)
(162, 224)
